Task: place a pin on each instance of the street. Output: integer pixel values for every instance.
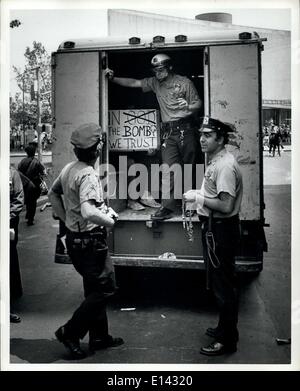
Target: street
(161, 314)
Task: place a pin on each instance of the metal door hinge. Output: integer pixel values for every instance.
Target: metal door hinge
(104, 62)
(206, 58)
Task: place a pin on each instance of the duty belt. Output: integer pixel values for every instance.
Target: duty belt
(175, 128)
(174, 125)
(205, 219)
(94, 233)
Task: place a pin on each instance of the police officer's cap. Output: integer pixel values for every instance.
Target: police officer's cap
(85, 136)
(214, 125)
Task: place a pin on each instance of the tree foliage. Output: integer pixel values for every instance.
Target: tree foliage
(36, 56)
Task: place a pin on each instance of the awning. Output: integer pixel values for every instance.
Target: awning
(276, 106)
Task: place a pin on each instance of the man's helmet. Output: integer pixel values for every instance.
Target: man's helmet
(160, 60)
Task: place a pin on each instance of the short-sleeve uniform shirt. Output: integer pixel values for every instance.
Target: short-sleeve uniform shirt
(78, 182)
(222, 174)
(167, 93)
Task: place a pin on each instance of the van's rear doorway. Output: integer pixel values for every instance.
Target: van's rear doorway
(136, 64)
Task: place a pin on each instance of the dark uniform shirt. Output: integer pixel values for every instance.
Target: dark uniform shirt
(16, 193)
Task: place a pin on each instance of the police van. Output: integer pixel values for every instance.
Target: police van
(225, 68)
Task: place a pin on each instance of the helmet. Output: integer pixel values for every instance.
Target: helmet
(160, 60)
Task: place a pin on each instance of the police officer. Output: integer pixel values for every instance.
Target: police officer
(218, 204)
(178, 101)
(32, 171)
(86, 217)
(16, 196)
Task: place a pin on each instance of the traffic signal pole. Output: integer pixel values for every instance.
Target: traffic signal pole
(38, 120)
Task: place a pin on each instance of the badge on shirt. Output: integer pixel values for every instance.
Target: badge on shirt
(177, 93)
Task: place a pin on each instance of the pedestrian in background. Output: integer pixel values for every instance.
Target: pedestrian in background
(32, 171)
(86, 217)
(16, 204)
(178, 101)
(275, 141)
(218, 205)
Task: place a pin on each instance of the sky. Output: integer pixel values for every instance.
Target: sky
(52, 26)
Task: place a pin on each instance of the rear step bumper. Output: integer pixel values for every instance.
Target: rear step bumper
(242, 265)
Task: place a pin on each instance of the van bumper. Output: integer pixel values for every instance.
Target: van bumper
(242, 265)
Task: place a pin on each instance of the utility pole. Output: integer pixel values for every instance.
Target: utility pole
(23, 111)
(38, 112)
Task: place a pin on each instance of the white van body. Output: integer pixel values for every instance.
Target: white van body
(226, 70)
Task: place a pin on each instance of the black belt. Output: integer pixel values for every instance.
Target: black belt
(204, 219)
(96, 232)
(175, 124)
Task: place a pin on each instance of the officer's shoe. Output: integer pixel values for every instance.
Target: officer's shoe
(104, 343)
(72, 345)
(217, 349)
(162, 214)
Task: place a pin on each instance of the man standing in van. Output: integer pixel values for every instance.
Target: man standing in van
(77, 200)
(178, 101)
(218, 204)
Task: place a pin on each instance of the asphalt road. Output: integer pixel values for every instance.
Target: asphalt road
(161, 314)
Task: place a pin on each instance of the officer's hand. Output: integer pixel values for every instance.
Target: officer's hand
(109, 73)
(112, 214)
(189, 196)
(182, 103)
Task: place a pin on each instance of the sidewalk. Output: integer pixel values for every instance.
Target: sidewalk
(153, 329)
(22, 153)
(286, 148)
(149, 316)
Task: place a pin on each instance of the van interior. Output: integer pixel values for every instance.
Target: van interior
(137, 64)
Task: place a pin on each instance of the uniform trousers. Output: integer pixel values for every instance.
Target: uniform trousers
(222, 275)
(16, 289)
(31, 203)
(89, 255)
(179, 146)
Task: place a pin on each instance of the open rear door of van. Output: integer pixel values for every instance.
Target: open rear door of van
(235, 97)
(76, 100)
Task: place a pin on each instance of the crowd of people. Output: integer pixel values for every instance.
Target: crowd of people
(274, 137)
(20, 137)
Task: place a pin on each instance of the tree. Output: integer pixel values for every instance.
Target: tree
(18, 115)
(36, 57)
